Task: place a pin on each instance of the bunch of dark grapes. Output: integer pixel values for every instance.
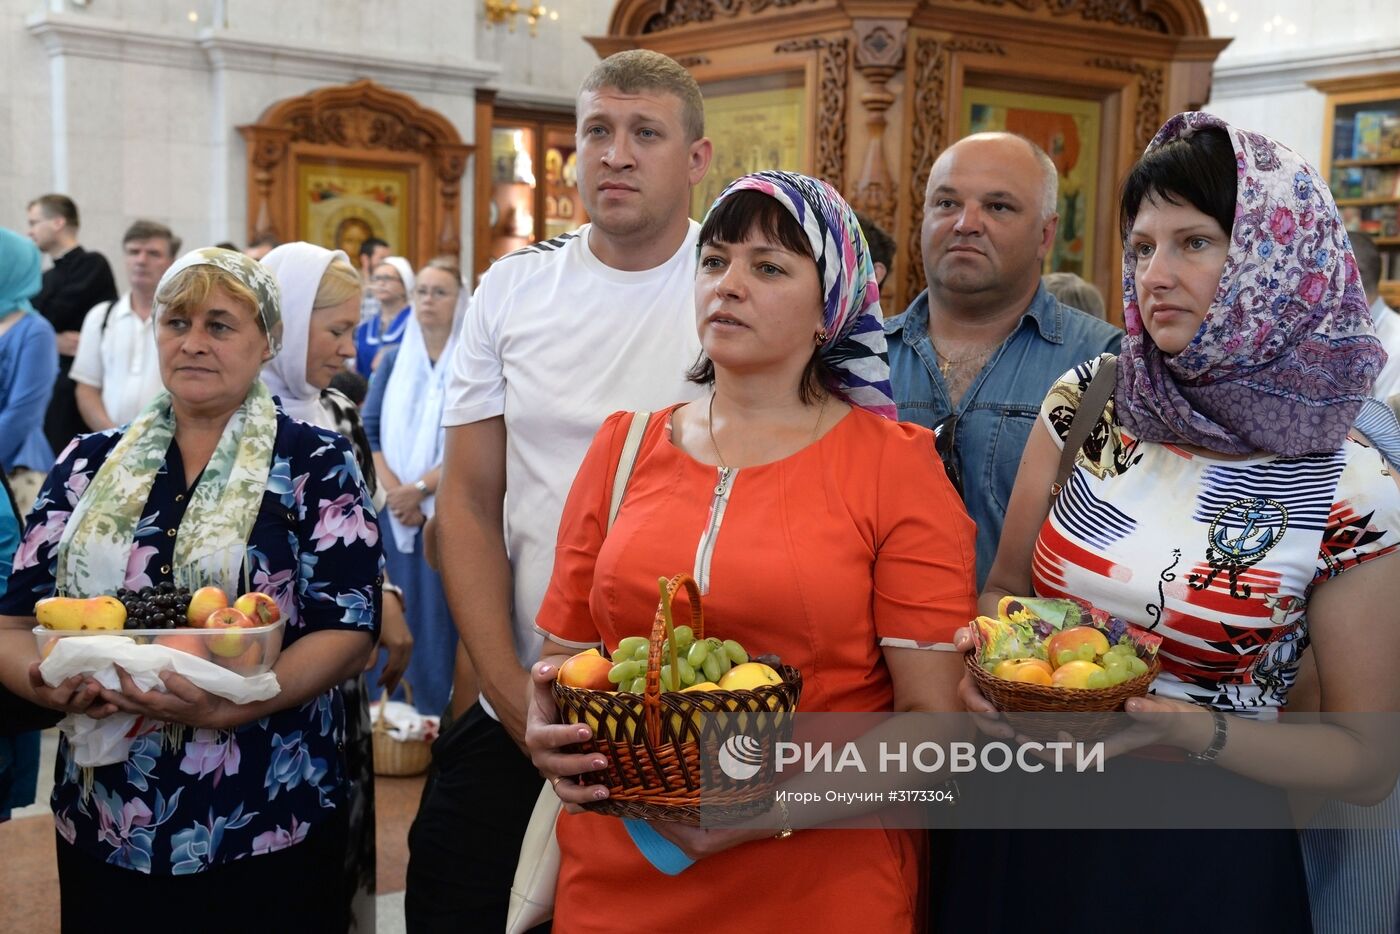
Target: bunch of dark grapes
(159, 607)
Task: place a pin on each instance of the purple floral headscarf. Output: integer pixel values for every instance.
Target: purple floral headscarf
(1286, 354)
(855, 348)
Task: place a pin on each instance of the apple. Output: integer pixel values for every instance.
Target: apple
(1076, 674)
(258, 606)
(248, 661)
(186, 642)
(587, 670)
(228, 644)
(204, 601)
(1072, 639)
(748, 676)
(1027, 670)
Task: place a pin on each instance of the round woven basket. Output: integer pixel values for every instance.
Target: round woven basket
(661, 748)
(1077, 711)
(397, 757)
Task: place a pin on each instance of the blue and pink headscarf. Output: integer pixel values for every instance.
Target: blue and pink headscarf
(854, 349)
(1286, 355)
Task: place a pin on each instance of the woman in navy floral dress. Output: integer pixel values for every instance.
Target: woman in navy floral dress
(218, 805)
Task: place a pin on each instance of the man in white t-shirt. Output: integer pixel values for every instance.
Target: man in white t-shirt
(558, 336)
(1385, 318)
(115, 369)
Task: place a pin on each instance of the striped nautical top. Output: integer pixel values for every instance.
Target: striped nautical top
(1217, 556)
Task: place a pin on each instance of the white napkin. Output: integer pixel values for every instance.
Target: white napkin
(404, 722)
(106, 741)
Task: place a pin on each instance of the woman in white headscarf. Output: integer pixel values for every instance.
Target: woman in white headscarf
(403, 418)
(320, 309)
(392, 282)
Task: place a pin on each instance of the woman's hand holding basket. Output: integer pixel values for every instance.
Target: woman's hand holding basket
(546, 737)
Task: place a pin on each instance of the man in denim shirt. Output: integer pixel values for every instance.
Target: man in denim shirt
(975, 353)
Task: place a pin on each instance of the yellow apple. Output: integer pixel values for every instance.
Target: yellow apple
(1075, 674)
(748, 676)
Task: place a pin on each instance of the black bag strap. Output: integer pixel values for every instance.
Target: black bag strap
(1091, 407)
(107, 316)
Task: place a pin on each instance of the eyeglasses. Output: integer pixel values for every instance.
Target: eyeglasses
(944, 441)
(422, 292)
(387, 278)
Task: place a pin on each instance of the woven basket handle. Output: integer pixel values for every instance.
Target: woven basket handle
(662, 628)
(384, 700)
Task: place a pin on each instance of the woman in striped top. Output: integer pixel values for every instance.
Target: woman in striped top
(1232, 498)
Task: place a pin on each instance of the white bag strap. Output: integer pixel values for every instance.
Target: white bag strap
(532, 891)
(626, 461)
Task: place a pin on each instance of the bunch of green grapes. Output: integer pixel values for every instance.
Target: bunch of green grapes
(1120, 663)
(1081, 653)
(697, 661)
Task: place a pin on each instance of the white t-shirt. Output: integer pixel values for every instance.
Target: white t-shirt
(1387, 322)
(121, 361)
(556, 341)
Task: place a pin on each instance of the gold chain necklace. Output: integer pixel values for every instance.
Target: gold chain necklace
(724, 468)
(947, 363)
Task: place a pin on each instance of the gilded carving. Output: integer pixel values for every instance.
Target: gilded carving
(927, 131)
(927, 77)
(833, 63)
(684, 12)
(358, 128)
(358, 118)
(1151, 88)
(879, 55)
(1117, 12)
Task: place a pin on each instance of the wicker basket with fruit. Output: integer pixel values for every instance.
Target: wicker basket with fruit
(663, 707)
(1051, 656)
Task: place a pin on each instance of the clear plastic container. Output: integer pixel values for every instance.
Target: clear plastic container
(246, 651)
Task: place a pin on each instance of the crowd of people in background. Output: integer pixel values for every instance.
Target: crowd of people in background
(753, 339)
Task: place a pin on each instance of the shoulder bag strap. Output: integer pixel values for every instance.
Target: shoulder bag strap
(625, 461)
(1091, 406)
(537, 870)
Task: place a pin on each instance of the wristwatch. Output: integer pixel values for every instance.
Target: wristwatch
(421, 487)
(1217, 741)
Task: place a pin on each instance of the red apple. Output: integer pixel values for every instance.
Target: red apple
(587, 670)
(258, 606)
(1070, 640)
(228, 644)
(204, 601)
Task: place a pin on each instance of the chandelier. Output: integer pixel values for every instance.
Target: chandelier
(505, 11)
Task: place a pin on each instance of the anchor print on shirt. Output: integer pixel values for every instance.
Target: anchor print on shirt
(1239, 537)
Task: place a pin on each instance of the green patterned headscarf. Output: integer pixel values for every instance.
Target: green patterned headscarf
(212, 536)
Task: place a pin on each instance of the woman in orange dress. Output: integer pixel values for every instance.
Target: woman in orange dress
(818, 529)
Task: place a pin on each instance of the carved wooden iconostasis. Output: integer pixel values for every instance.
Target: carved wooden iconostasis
(867, 93)
(341, 164)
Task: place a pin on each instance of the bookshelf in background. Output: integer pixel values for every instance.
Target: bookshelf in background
(1361, 161)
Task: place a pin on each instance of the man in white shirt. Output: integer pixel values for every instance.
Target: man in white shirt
(1385, 318)
(559, 335)
(115, 369)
